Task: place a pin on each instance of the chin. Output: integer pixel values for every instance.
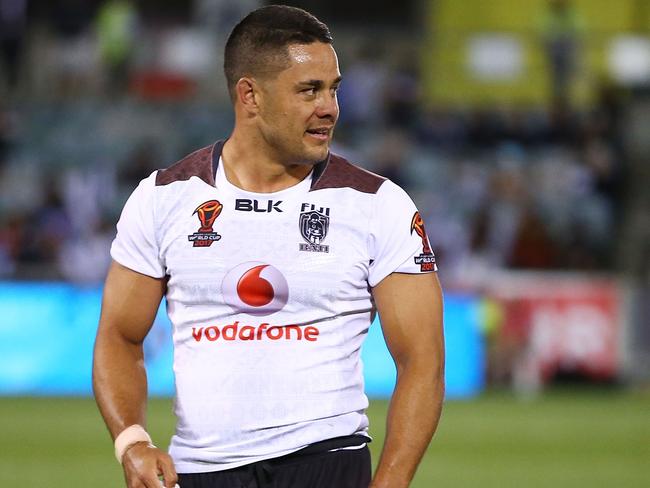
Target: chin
(316, 155)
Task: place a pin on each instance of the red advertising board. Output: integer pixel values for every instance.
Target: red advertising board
(558, 323)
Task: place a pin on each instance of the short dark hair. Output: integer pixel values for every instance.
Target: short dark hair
(258, 44)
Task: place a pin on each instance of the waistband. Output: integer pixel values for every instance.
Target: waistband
(354, 440)
(263, 470)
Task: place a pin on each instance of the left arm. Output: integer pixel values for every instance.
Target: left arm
(410, 308)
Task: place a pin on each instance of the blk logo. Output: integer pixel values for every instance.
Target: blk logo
(246, 205)
(255, 288)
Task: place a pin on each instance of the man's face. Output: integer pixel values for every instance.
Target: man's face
(298, 108)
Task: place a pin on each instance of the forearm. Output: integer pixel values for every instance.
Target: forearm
(412, 420)
(119, 382)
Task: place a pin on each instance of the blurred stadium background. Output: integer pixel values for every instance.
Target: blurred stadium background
(520, 127)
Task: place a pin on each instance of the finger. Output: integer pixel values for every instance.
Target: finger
(141, 477)
(151, 481)
(168, 471)
(135, 484)
(132, 479)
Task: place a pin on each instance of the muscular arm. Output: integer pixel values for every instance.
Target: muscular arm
(410, 308)
(129, 307)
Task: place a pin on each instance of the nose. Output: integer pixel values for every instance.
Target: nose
(328, 106)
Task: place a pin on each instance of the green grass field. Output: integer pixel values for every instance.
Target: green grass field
(565, 439)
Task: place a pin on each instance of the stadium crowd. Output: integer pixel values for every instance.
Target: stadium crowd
(499, 187)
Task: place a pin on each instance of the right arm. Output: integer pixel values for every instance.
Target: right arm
(129, 307)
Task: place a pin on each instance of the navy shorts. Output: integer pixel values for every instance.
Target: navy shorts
(313, 467)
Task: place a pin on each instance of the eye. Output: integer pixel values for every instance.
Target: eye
(309, 91)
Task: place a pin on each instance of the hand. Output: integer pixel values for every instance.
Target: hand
(143, 463)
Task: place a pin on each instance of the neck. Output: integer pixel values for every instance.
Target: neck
(249, 167)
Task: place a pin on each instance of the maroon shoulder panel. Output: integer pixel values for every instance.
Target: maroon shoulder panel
(337, 172)
(199, 164)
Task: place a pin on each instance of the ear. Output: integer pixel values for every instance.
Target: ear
(248, 94)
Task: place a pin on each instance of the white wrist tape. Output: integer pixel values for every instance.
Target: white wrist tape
(129, 436)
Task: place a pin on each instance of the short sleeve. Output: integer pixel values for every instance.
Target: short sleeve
(135, 245)
(398, 240)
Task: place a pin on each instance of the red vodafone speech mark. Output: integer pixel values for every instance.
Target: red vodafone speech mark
(253, 289)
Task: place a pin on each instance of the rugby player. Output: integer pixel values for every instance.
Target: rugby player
(274, 256)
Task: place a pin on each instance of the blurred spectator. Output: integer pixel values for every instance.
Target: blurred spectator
(116, 25)
(361, 94)
(139, 164)
(13, 23)
(561, 29)
(222, 15)
(498, 223)
(88, 193)
(562, 126)
(70, 18)
(85, 259)
(48, 227)
(442, 129)
(73, 50)
(11, 237)
(402, 94)
(390, 156)
(485, 128)
(6, 135)
(600, 160)
(30, 241)
(532, 246)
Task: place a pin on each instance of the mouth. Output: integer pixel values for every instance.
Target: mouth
(320, 133)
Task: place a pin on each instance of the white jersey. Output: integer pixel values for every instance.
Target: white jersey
(270, 299)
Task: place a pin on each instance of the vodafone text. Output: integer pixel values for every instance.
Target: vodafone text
(264, 331)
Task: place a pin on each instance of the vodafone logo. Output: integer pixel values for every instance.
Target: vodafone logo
(255, 288)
